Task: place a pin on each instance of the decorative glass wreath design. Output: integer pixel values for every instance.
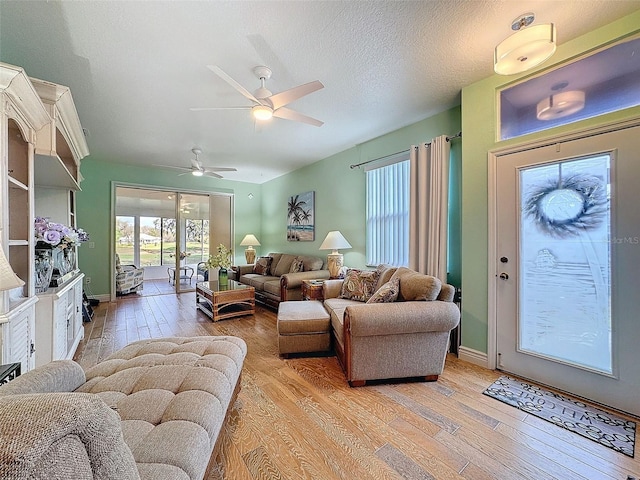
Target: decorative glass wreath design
(567, 207)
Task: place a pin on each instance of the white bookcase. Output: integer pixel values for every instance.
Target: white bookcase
(41, 146)
(60, 147)
(22, 114)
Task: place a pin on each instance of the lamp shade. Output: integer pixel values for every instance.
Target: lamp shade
(525, 49)
(560, 105)
(333, 241)
(249, 240)
(8, 279)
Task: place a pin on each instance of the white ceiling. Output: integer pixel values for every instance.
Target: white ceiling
(136, 67)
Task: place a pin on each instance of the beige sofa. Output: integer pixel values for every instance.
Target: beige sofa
(153, 410)
(408, 337)
(278, 283)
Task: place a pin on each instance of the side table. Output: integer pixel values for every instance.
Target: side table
(312, 290)
(185, 273)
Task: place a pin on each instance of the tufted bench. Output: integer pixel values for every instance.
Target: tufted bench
(171, 396)
(303, 327)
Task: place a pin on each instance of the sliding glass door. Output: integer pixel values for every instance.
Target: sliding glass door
(145, 230)
(193, 232)
(169, 233)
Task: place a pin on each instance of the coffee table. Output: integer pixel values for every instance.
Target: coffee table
(220, 302)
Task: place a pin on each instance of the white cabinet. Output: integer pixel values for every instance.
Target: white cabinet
(37, 119)
(17, 336)
(22, 114)
(59, 322)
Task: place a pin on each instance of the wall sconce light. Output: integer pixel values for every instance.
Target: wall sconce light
(525, 49)
(560, 105)
(250, 241)
(333, 241)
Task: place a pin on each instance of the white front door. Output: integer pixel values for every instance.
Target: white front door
(568, 255)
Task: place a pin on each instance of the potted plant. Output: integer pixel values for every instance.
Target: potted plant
(222, 260)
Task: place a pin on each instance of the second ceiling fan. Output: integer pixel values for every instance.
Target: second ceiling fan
(267, 104)
(197, 169)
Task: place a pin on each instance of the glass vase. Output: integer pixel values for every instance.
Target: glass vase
(43, 269)
(223, 277)
(68, 263)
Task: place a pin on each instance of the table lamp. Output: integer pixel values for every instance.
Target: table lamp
(8, 279)
(250, 241)
(333, 241)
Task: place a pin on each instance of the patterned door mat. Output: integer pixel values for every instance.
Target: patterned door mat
(603, 427)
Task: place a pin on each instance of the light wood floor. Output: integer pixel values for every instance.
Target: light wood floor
(298, 418)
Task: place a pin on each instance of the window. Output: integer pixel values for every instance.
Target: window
(602, 82)
(125, 238)
(388, 214)
(141, 241)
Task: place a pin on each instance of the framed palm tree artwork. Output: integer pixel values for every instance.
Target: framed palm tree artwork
(300, 217)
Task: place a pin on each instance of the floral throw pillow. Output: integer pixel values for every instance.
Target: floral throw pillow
(296, 266)
(359, 284)
(387, 293)
(262, 265)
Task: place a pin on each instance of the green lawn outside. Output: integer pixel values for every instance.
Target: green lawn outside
(150, 253)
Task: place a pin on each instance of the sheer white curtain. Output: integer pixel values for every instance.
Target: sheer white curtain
(428, 212)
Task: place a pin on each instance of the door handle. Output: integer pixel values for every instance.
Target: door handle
(504, 276)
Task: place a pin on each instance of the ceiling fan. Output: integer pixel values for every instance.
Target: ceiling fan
(267, 104)
(197, 169)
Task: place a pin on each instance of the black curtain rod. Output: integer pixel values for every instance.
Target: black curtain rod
(457, 135)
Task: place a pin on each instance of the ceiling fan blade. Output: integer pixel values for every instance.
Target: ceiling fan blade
(289, 114)
(211, 174)
(284, 98)
(204, 109)
(218, 71)
(220, 169)
(173, 167)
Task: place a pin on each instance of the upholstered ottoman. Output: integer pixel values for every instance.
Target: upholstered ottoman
(303, 327)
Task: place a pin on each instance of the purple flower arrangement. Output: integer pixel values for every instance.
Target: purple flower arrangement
(57, 234)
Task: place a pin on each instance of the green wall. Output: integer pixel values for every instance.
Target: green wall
(479, 114)
(94, 209)
(339, 196)
(340, 192)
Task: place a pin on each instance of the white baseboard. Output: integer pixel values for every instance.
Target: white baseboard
(473, 356)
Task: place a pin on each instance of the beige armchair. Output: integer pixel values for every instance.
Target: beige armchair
(401, 339)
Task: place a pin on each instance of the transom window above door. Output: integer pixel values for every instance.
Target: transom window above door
(602, 82)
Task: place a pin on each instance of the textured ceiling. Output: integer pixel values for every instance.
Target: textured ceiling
(136, 67)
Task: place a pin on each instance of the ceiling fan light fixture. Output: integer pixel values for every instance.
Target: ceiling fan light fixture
(197, 173)
(262, 112)
(560, 105)
(525, 49)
